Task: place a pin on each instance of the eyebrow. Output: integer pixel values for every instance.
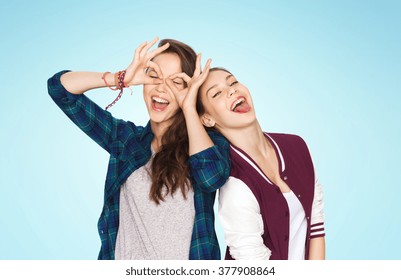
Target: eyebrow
(228, 77)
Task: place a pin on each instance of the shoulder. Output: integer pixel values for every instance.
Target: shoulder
(216, 135)
(235, 190)
(131, 135)
(137, 130)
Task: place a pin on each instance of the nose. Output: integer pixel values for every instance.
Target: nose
(161, 87)
(231, 91)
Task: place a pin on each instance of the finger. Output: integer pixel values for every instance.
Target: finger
(148, 46)
(198, 67)
(152, 81)
(140, 47)
(207, 66)
(158, 50)
(182, 75)
(156, 67)
(136, 57)
(138, 51)
(205, 71)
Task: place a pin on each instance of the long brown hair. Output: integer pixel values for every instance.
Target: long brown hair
(169, 168)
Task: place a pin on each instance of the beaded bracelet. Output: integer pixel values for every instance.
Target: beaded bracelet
(120, 85)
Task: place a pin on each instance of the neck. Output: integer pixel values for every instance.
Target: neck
(158, 130)
(250, 139)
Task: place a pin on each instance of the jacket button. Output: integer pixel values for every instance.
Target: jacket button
(101, 231)
(285, 178)
(307, 218)
(299, 195)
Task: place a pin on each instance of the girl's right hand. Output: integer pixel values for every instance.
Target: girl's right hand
(136, 71)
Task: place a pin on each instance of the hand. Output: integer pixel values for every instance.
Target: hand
(136, 72)
(186, 97)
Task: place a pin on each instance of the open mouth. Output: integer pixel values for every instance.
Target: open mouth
(159, 104)
(240, 105)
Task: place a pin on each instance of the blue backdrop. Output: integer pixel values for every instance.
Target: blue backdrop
(326, 70)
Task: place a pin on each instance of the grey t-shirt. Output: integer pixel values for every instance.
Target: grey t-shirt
(148, 231)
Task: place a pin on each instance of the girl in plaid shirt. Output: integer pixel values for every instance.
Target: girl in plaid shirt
(187, 164)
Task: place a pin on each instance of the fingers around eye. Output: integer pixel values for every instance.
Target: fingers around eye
(156, 67)
(171, 86)
(152, 81)
(182, 75)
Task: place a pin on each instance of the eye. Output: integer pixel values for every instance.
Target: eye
(216, 94)
(151, 73)
(177, 82)
(233, 83)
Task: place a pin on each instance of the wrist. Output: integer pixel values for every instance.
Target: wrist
(190, 111)
(109, 80)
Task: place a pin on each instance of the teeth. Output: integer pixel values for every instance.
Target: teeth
(160, 100)
(236, 103)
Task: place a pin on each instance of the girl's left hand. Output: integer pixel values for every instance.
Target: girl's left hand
(186, 97)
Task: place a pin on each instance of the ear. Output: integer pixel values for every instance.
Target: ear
(207, 120)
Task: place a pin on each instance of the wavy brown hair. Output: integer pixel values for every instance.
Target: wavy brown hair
(169, 168)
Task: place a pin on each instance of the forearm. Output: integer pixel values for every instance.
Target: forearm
(80, 82)
(317, 249)
(198, 138)
(97, 123)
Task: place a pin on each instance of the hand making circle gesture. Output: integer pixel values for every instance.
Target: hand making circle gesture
(136, 71)
(186, 97)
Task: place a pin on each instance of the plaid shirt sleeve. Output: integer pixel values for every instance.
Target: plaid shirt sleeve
(96, 122)
(210, 168)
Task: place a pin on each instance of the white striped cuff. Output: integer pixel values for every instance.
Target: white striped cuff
(317, 230)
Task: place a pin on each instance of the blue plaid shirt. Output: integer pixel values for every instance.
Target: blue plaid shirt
(129, 149)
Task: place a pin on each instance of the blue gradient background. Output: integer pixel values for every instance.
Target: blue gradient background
(326, 70)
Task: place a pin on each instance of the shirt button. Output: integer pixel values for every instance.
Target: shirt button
(285, 178)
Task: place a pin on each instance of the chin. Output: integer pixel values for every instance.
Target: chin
(158, 119)
(161, 118)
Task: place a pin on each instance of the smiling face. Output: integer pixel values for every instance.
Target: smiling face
(160, 102)
(226, 102)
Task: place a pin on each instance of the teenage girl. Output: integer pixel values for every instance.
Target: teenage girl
(272, 205)
(153, 204)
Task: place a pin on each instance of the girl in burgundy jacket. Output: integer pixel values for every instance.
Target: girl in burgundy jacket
(272, 205)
